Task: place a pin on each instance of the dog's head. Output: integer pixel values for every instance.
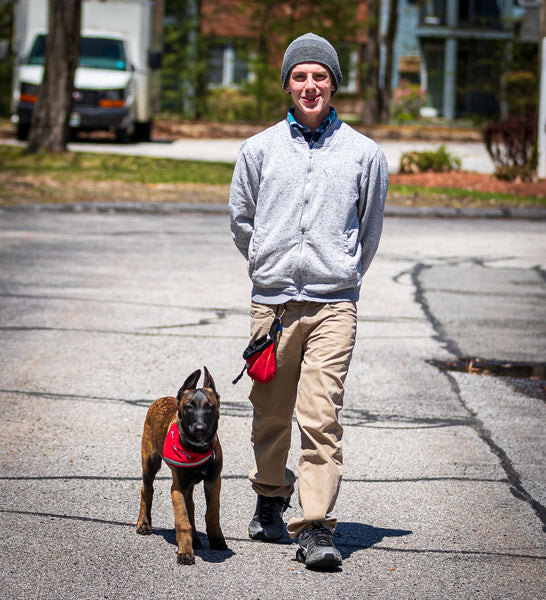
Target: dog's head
(198, 411)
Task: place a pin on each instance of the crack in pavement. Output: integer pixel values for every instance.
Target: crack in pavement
(350, 417)
(515, 483)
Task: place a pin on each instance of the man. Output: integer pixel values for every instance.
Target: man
(306, 209)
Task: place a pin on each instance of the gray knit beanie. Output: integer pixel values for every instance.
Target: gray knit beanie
(311, 48)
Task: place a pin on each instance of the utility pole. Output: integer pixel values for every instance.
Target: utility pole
(541, 170)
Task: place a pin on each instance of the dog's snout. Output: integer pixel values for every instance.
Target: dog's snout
(200, 424)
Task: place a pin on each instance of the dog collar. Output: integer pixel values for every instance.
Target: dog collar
(174, 453)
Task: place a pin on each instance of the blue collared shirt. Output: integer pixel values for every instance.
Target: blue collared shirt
(312, 136)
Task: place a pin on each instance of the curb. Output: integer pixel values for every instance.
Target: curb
(167, 208)
(440, 212)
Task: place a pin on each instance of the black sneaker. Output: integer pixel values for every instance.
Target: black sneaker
(316, 547)
(267, 523)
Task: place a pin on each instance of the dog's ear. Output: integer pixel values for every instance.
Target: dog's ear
(190, 383)
(209, 381)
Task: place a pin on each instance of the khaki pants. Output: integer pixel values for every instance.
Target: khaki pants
(313, 355)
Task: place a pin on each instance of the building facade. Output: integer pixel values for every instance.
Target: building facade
(456, 50)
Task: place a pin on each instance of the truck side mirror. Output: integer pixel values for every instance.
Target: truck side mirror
(155, 57)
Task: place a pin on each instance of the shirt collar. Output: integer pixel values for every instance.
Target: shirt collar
(312, 135)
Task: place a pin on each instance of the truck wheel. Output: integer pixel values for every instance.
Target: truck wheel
(143, 132)
(22, 131)
(123, 136)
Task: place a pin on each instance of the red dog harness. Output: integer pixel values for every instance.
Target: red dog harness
(175, 454)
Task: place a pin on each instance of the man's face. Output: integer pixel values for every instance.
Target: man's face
(311, 87)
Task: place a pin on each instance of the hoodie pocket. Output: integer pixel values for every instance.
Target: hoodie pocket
(351, 242)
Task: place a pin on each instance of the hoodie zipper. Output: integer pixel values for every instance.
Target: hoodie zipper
(303, 222)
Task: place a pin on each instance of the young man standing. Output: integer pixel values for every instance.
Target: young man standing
(306, 209)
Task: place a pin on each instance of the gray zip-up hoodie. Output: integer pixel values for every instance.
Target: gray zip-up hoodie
(308, 220)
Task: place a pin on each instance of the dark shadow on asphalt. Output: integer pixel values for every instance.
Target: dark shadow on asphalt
(350, 537)
(205, 553)
(358, 536)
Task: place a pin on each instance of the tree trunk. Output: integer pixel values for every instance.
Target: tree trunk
(201, 84)
(262, 54)
(389, 43)
(49, 128)
(370, 67)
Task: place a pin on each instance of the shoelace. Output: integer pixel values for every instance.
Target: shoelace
(321, 536)
(267, 508)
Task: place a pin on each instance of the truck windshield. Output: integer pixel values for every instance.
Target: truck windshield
(95, 52)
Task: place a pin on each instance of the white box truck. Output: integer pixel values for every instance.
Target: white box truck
(116, 85)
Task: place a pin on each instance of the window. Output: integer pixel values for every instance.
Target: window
(95, 53)
(433, 12)
(37, 54)
(228, 64)
(102, 53)
(348, 58)
(480, 13)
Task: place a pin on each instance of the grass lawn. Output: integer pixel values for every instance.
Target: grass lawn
(90, 177)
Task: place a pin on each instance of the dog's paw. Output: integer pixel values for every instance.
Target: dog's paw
(185, 559)
(217, 543)
(144, 528)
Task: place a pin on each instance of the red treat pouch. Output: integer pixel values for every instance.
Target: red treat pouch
(261, 366)
(260, 356)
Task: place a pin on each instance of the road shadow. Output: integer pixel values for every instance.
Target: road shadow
(205, 552)
(359, 536)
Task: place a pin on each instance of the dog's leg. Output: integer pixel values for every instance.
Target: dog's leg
(190, 509)
(212, 516)
(151, 463)
(182, 526)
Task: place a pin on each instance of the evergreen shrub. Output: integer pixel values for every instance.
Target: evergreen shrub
(439, 161)
(228, 104)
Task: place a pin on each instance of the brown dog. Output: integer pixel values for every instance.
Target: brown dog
(183, 432)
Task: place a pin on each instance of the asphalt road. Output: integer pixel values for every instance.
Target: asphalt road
(444, 486)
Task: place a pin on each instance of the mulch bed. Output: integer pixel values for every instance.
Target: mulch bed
(473, 182)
